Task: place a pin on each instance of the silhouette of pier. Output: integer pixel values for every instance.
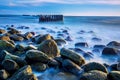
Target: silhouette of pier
(50, 18)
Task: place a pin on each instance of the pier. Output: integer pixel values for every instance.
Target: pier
(50, 18)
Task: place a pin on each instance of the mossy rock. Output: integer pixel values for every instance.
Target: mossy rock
(94, 66)
(70, 54)
(114, 75)
(94, 75)
(49, 47)
(5, 45)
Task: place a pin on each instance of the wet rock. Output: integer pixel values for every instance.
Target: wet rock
(96, 39)
(81, 32)
(28, 35)
(12, 42)
(5, 45)
(23, 27)
(69, 38)
(36, 56)
(94, 66)
(78, 50)
(21, 62)
(53, 63)
(88, 55)
(71, 67)
(24, 73)
(16, 38)
(13, 31)
(114, 44)
(10, 65)
(110, 51)
(81, 44)
(94, 75)
(113, 67)
(5, 38)
(3, 74)
(2, 31)
(114, 75)
(60, 41)
(43, 38)
(64, 76)
(30, 47)
(75, 57)
(49, 47)
(20, 47)
(39, 67)
(91, 32)
(118, 66)
(61, 35)
(100, 47)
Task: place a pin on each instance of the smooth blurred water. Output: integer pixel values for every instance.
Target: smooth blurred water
(105, 28)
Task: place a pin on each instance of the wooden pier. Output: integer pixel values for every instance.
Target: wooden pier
(50, 18)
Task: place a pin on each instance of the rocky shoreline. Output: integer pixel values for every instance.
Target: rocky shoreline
(17, 61)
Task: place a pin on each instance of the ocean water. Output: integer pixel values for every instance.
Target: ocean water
(80, 29)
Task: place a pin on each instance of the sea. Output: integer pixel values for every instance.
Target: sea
(79, 28)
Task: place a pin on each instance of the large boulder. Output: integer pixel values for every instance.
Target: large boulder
(3, 74)
(39, 39)
(114, 44)
(71, 67)
(114, 75)
(36, 56)
(24, 73)
(94, 66)
(10, 65)
(110, 51)
(28, 35)
(5, 45)
(49, 47)
(94, 75)
(75, 57)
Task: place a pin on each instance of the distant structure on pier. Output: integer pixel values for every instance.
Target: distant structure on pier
(50, 18)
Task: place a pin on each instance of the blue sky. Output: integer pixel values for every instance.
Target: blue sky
(66, 7)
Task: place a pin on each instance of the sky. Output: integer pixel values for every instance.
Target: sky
(65, 7)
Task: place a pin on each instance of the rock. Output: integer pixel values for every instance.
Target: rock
(39, 67)
(81, 44)
(28, 35)
(114, 75)
(94, 66)
(118, 66)
(49, 47)
(113, 67)
(24, 73)
(43, 38)
(88, 55)
(5, 38)
(20, 47)
(16, 38)
(81, 32)
(2, 31)
(21, 62)
(3, 74)
(75, 57)
(114, 44)
(53, 63)
(71, 67)
(96, 39)
(94, 75)
(78, 50)
(69, 38)
(110, 51)
(5, 45)
(10, 65)
(36, 56)
(13, 31)
(64, 76)
(60, 41)
(12, 42)
(30, 47)
(100, 47)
